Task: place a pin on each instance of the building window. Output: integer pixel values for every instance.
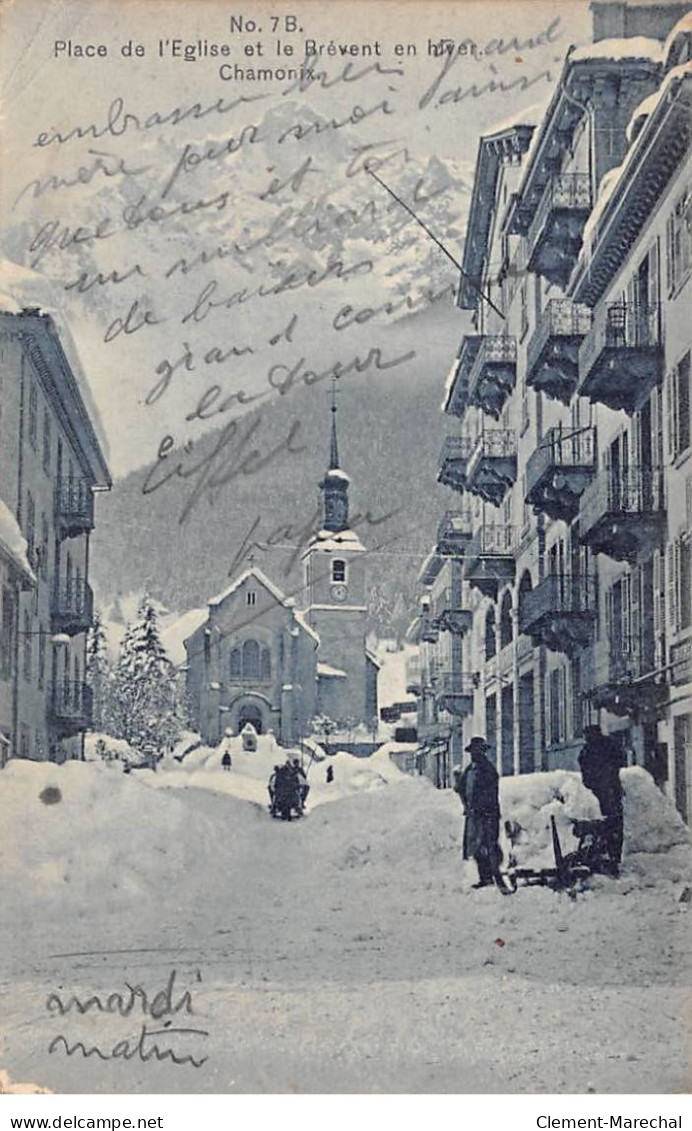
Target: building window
(251, 662)
(338, 569)
(7, 637)
(680, 583)
(679, 241)
(523, 312)
(43, 559)
(33, 416)
(46, 441)
(490, 639)
(251, 597)
(679, 417)
(506, 620)
(557, 706)
(27, 646)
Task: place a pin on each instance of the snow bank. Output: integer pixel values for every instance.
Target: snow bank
(81, 834)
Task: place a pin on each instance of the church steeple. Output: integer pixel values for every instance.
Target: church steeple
(334, 486)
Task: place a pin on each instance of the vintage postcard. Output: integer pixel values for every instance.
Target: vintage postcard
(345, 546)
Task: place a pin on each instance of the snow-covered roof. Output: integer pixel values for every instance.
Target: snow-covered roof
(335, 540)
(258, 575)
(326, 671)
(22, 290)
(632, 47)
(529, 116)
(371, 656)
(300, 619)
(681, 31)
(174, 635)
(337, 473)
(13, 543)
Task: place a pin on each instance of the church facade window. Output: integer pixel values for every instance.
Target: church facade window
(338, 569)
(250, 661)
(251, 597)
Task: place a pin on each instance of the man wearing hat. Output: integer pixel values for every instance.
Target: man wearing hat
(478, 788)
(600, 762)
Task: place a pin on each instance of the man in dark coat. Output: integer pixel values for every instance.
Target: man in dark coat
(600, 762)
(478, 788)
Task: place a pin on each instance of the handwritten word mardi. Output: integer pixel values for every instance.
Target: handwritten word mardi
(135, 999)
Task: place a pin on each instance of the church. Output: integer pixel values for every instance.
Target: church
(261, 657)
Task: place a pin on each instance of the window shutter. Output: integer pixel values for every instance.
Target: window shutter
(672, 412)
(659, 609)
(669, 254)
(672, 588)
(635, 614)
(627, 614)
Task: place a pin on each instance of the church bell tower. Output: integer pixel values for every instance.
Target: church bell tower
(336, 592)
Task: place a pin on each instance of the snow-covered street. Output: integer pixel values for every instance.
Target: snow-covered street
(345, 952)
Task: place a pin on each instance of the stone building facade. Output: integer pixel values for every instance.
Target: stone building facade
(571, 394)
(51, 463)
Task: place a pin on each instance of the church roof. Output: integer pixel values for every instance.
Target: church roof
(258, 576)
(327, 671)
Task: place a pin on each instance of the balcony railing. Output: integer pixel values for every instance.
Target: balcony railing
(622, 511)
(71, 706)
(456, 397)
(625, 681)
(560, 469)
(621, 359)
(492, 466)
(454, 530)
(74, 507)
(555, 233)
(449, 613)
(72, 607)
(454, 691)
(490, 557)
(493, 373)
(559, 612)
(552, 355)
(454, 460)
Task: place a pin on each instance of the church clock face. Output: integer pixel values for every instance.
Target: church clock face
(339, 592)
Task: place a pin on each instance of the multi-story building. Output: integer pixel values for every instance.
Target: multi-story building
(573, 400)
(51, 462)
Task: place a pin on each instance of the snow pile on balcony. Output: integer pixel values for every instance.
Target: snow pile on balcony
(634, 47)
(13, 542)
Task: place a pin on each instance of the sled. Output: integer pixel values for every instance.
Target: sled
(567, 872)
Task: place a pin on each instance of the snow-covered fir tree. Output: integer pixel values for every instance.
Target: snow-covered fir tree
(146, 703)
(98, 672)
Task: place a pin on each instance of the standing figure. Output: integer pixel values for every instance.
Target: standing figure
(330, 774)
(600, 762)
(302, 782)
(478, 788)
(226, 760)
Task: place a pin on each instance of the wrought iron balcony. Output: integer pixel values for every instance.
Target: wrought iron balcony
(70, 707)
(625, 681)
(457, 394)
(621, 359)
(454, 691)
(490, 559)
(560, 612)
(557, 473)
(552, 355)
(556, 231)
(74, 507)
(454, 532)
(72, 608)
(492, 466)
(454, 458)
(428, 633)
(623, 512)
(493, 373)
(450, 615)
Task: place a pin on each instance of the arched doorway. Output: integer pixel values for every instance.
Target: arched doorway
(250, 713)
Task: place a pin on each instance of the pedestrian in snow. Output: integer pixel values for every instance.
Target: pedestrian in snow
(226, 760)
(478, 788)
(600, 762)
(271, 788)
(330, 774)
(302, 781)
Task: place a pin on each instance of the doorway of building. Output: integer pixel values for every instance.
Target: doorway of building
(249, 713)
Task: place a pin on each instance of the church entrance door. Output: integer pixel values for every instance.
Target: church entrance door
(249, 713)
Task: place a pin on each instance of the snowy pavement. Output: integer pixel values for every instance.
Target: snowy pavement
(345, 952)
